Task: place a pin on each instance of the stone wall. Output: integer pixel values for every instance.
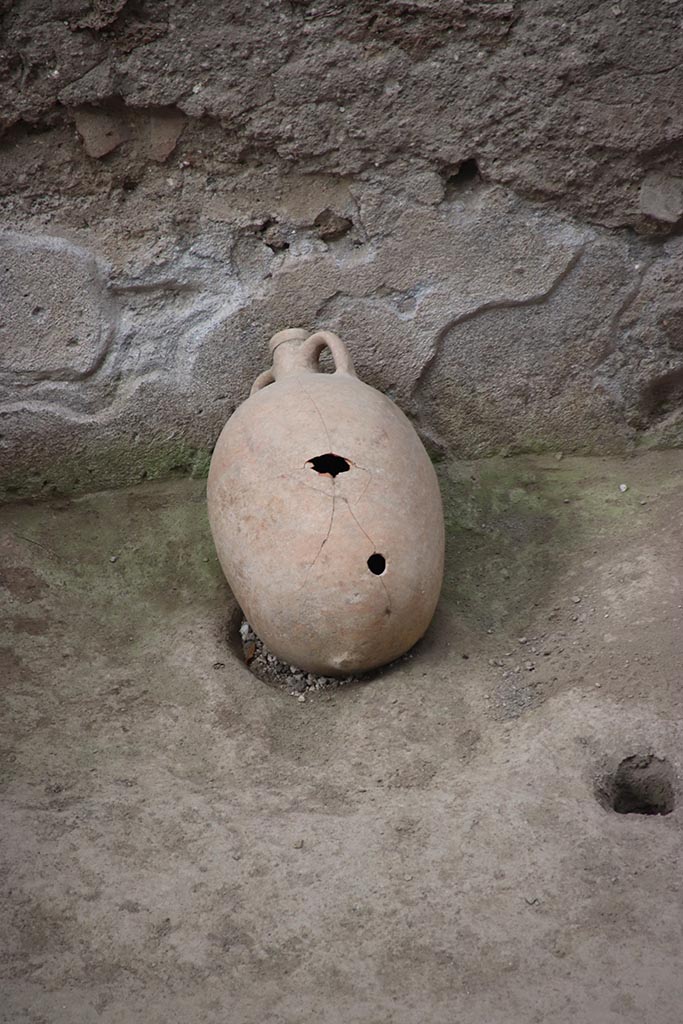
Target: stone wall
(485, 199)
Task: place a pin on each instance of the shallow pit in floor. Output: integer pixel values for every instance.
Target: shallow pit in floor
(641, 784)
(268, 668)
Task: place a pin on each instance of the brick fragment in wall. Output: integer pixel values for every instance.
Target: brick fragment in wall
(100, 131)
(152, 134)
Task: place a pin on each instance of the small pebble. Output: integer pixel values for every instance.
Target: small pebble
(576, 599)
(298, 845)
(302, 698)
(623, 488)
(113, 558)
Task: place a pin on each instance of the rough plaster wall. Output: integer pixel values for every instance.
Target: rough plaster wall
(485, 199)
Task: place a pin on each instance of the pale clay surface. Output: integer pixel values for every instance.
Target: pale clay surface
(182, 843)
(294, 542)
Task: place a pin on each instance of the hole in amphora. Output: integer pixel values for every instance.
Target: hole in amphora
(642, 784)
(329, 464)
(377, 563)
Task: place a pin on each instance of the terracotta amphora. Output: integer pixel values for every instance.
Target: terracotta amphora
(326, 514)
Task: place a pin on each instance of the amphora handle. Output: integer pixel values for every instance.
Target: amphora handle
(315, 344)
(295, 351)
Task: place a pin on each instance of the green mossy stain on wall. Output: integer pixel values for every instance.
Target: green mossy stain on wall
(110, 468)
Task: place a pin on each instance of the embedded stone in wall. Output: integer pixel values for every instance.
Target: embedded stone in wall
(520, 374)
(648, 356)
(54, 313)
(661, 198)
(152, 134)
(160, 132)
(101, 130)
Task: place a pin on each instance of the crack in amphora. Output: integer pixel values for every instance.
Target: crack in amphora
(320, 415)
(346, 501)
(324, 541)
(335, 496)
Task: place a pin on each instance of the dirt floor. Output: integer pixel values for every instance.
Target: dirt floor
(182, 843)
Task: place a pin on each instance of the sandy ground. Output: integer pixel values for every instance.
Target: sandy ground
(182, 843)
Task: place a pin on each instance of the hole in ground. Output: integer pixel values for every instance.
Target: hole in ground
(377, 563)
(329, 464)
(642, 784)
(243, 644)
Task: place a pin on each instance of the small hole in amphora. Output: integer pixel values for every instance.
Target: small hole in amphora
(642, 784)
(329, 464)
(377, 564)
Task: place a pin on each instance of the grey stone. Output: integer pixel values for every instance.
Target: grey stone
(644, 372)
(56, 320)
(497, 325)
(661, 197)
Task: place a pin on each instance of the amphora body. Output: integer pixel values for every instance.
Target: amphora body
(326, 514)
